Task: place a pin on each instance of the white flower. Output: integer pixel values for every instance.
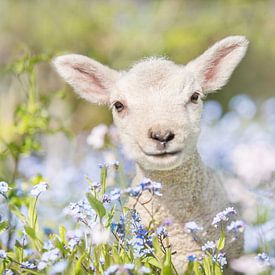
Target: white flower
(112, 269)
(59, 267)
(129, 266)
(41, 265)
(263, 258)
(97, 136)
(3, 187)
(50, 256)
(223, 216)
(102, 260)
(8, 272)
(100, 234)
(82, 211)
(39, 188)
(221, 259)
(192, 227)
(210, 245)
(144, 270)
(236, 226)
(74, 234)
(115, 194)
(3, 254)
(28, 265)
(48, 245)
(73, 243)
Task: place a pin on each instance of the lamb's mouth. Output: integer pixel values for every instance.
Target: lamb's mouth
(162, 154)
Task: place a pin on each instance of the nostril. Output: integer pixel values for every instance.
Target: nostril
(169, 136)
(164, 138)
(156, 136)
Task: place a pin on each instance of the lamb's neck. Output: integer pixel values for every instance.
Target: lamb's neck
(190, 187)
(192, 171)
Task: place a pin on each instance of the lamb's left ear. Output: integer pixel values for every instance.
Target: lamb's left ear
(90, 79)
(214, 67)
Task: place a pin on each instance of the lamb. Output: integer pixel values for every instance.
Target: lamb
(157, 106)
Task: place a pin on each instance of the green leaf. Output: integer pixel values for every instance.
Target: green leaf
(96, 205)
(32, 213)
(62, 233)
(30, 232)
(167, 266)
(3, 226)
(197, 268)
(152, 261)
(207, 262)
(16, 211)
(78, 268)
(110, 217)
(103, 178)
(217, 270)
(220, 243)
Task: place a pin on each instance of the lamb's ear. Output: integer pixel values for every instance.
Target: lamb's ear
(214, 67)
(90, 79)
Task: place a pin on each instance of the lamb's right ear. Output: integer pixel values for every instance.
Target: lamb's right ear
(90, 79)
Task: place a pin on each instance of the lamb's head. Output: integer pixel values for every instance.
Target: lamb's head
(157, 104)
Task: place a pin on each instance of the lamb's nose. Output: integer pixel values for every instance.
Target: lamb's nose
(162, 137)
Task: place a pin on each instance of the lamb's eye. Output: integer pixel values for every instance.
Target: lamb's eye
(119, 106)
(195, 97)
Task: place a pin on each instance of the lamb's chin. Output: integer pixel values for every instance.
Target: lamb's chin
(161, 163)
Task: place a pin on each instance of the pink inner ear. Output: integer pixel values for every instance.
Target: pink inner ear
(213, 66)
(95, 83)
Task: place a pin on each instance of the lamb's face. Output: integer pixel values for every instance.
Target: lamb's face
(157, 108)
(157, 104)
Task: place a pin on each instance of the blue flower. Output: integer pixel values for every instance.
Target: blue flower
(192, 227)
(145, 184)
(3, 187)
(221, 259)
(82, 211)
(39, 188)
(223, 216)
(144, 270)
(112, 270)
(106, 198)
(236, 226)
(95, 186)
(210, 245)
(115, 194)
(3, 254)
(263, 258)
(28, 265)
(192, 258)
(141, 240)
(8, 272)
(161, 232)
(119, 228)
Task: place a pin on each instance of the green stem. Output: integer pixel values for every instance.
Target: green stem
(10, 232)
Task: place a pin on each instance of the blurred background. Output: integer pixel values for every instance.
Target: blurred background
(119, 32)
(238, 129)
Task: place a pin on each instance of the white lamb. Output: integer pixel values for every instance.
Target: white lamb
(157, 108)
